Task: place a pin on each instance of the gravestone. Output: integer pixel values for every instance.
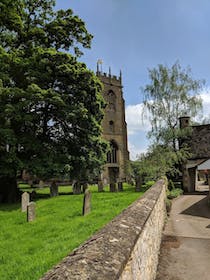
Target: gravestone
(41, 184)
(138, 180)
(31, 215)
(53, 189)
(120, 186)
(24, 201)
(86, 203)
(100, 186)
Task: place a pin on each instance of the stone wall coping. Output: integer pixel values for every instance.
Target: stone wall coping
(106, 253)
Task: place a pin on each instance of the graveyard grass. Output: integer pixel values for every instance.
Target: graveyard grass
(28, 250)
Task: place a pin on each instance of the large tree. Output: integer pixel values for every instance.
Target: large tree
(172, 93)
(51, 105)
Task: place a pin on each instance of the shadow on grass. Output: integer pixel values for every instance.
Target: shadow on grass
(9, 207)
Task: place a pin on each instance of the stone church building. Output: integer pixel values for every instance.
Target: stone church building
(195, 171)
(114, 130)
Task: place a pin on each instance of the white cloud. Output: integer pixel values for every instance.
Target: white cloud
(135, 150)
(205, 95)
(135, 122)
(205, 114)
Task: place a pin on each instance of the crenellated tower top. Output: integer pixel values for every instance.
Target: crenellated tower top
(99, 72)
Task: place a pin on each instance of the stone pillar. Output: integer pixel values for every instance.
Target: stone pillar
(86, 203)
(31, 212)
(24, 201)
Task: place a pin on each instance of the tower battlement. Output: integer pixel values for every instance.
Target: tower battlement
(106, 75)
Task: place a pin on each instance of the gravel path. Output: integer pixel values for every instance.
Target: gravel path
(185, 248)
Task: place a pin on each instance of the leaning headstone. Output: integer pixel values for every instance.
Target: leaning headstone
(120, 186)
(24, 201)
(86, 203)
(53, 189)
(31, 215)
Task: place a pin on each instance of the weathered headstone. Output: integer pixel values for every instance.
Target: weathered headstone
(86, 203)
(100, 186)
(41, 184)
(120, 186)
(53, 189)
(24, 201)
(31, 214)
(138, 180)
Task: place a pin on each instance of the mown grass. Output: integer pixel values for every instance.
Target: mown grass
(28, 250)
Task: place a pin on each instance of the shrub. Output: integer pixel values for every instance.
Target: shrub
(174, 193)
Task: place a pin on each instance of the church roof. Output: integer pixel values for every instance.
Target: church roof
(205, 165)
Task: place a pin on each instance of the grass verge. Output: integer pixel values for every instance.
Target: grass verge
(28, 250)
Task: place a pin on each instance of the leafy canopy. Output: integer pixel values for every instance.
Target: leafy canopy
(171, 94)
(51, 105)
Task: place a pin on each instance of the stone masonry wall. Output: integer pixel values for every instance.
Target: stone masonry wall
(126, 248)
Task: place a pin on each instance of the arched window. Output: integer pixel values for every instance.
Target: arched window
(112, 154)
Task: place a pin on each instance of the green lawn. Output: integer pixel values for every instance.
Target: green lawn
(28, 250)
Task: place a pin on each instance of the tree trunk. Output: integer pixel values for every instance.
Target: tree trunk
(9, 192)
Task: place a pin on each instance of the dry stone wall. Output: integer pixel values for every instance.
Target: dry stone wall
(127, 248)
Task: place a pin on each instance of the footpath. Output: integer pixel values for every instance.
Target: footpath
(185, 248)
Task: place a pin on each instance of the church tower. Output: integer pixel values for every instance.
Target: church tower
(114, 130)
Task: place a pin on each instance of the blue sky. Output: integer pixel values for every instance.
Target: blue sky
(136, 35)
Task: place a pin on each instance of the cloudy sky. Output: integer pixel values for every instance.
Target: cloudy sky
(137, 35)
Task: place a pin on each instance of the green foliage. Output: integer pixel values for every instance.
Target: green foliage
(172, 93)
(159, 161)
(51, 105)
(28, 250)
(174, 193)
